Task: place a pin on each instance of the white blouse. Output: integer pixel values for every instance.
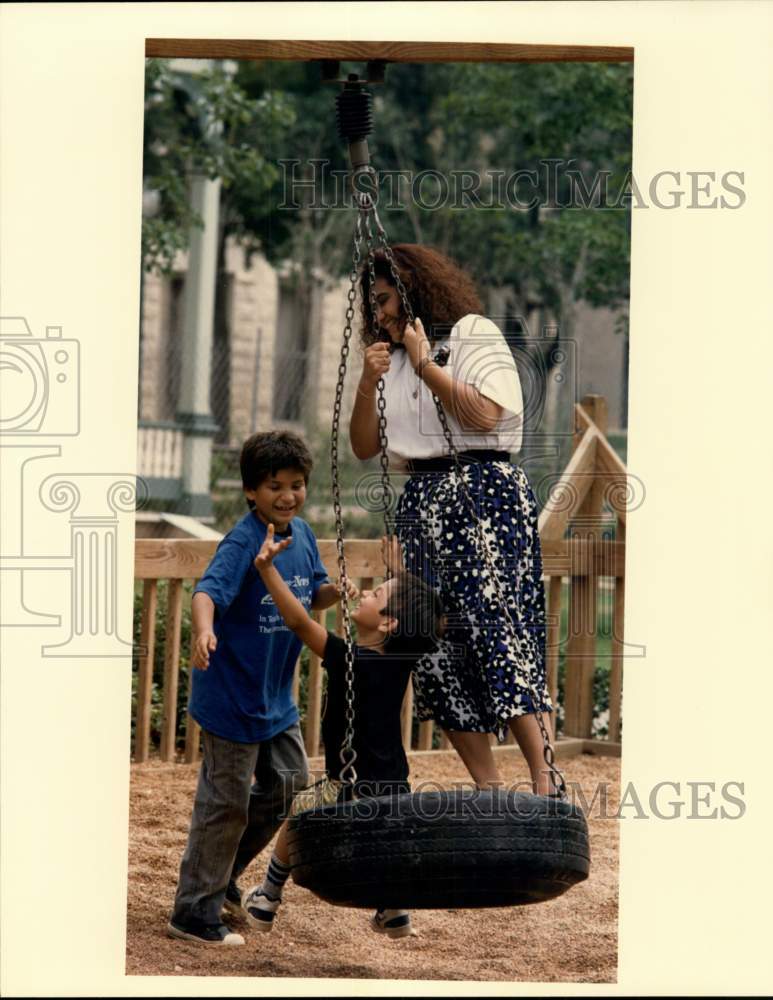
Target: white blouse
(479, 355)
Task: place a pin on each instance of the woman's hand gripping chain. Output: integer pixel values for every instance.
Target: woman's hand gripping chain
(416, 343)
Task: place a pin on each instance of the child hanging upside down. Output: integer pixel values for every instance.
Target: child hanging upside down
(397, 623)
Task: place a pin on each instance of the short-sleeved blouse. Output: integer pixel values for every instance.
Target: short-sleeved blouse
(477, 354)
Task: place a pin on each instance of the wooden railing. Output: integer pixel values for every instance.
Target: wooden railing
(575, 550)
(159, 449)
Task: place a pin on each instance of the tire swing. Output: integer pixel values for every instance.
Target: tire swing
(427, 850)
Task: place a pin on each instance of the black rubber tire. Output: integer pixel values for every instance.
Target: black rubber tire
(440, 850)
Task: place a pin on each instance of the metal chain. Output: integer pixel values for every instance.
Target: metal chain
(366, 208)
(556, 777)
(348, 754)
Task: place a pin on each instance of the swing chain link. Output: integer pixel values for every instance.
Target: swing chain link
(348, 754)
(367, 207)
(556, 777)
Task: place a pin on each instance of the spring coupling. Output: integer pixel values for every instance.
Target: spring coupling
(353, 113)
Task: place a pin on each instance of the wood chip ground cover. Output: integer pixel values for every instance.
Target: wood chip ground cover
(569, 939)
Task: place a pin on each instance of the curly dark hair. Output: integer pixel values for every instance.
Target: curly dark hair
(439, 291)
(265, 453)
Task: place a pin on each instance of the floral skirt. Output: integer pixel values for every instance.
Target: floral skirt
(481, 675)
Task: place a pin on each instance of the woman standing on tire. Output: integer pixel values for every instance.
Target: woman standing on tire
(477, 682)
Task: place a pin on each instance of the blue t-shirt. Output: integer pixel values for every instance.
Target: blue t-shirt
(245, 694)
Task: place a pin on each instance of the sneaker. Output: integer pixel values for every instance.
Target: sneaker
(233, 899)
(260, 909)
(393, 923)
(207, 934)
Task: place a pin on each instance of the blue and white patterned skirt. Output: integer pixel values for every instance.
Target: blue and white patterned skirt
(479, 677)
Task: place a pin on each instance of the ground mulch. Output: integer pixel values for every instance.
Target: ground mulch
(569, 939)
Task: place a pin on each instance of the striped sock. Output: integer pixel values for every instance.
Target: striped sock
(276, 876)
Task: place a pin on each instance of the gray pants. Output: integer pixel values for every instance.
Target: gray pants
(233, 818)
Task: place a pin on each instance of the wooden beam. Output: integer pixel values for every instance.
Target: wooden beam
(354, 51)
(426, 731)
(174, 611)
(363, 558)
(192, 739)
(583, 595)
(314, 698)
(145, 671)
(580, 556)
(616, 671)
(609, 466)
(563, 747)
(184, 559)
(602, 748)
(171, 558)
(553, 637)
(568, 493)
(192, 728)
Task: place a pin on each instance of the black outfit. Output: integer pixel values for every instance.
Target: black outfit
(380, 682)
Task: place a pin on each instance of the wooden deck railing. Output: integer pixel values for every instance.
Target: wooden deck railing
(159, 449)
(576, 550)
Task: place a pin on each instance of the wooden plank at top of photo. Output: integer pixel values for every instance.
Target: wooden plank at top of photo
(352, 51)
(172, 558)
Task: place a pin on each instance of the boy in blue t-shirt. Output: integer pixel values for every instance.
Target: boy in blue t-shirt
(241, 690)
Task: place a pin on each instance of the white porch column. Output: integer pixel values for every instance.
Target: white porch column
(194, 414)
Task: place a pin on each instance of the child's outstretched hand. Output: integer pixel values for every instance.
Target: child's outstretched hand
(203, 644)
(392, 554)
(352, 591)
(270, 549)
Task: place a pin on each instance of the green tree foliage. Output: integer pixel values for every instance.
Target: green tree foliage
(205, 124)
(481, 117)
(563, 129)
(524, 116)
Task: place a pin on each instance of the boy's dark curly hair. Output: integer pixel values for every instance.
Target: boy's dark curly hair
(264, 454)
(419, 615)
(439, 291)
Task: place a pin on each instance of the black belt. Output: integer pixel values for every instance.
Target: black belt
(445, 463)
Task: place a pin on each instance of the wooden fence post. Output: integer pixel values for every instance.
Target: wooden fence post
(192, 728)
(314, 698)
(616, 674)
(174, 612)
(553, 637)
(426, 734)
(583, 596)
(145, 671)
